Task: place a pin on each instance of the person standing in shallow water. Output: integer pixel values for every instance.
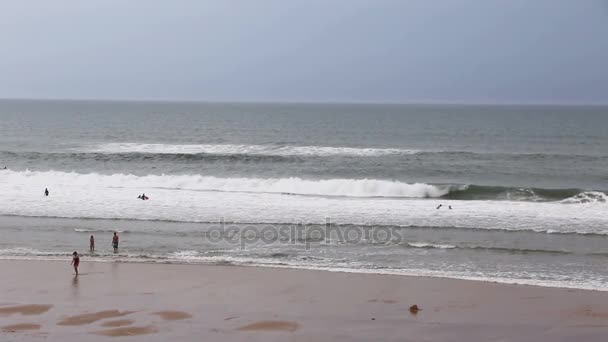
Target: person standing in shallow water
(46, 192)
(115, 242)
(92, 244)
(75, 261)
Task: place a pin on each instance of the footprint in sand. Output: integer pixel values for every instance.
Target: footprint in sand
(31, 309)
(270, 326)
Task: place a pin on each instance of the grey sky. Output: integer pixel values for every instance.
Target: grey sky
(524, 51)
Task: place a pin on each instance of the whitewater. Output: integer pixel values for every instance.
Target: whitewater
(195, 198)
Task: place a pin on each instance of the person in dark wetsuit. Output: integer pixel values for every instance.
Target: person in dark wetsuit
(92, 244)
(115, 242)
(75, 261)
(46, 192)
(439, 206)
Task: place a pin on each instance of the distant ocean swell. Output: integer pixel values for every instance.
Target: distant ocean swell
(203, 151)
(360, 188)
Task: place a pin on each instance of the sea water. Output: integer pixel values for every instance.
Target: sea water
(344, 187)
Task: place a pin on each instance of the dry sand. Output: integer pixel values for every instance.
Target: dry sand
(42, 300)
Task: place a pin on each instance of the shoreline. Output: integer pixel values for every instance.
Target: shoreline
(43, 300)
(151, 261)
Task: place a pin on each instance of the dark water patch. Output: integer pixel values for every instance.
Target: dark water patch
(480, 192)
(136, 157)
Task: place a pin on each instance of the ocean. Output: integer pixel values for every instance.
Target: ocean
(338, 187)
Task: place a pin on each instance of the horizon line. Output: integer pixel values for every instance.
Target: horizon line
(303, 102)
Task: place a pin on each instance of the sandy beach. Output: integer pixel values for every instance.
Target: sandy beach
(42, 300)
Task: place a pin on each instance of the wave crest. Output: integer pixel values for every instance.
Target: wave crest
(337, 187)
(228, 149)
(587, 197)
(294, 185)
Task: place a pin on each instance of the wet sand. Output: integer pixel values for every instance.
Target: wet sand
(89, 318)
(43, 300)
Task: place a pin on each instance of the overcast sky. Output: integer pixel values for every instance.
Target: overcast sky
(472, 51)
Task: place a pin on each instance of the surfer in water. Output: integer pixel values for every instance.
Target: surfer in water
(46, 191)
(439, 206)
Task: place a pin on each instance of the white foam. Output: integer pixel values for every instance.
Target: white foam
(184, 255)
(587, 197)
(114, 197)
(86, 230)
(230, 149)
(429, 245)
(23, 251)
(298, 186)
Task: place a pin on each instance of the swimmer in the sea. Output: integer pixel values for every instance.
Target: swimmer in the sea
(439, 206)
(46, 192)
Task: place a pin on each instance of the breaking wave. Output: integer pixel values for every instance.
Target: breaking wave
(299, 186)
(566, 196)
(295, 186)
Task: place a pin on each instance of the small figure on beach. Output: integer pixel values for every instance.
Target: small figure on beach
(115, 242)
(439, 206)
(46, 191)
(75, 261)
(92, 244)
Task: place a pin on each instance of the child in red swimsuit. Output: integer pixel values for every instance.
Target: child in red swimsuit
(75, 261)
